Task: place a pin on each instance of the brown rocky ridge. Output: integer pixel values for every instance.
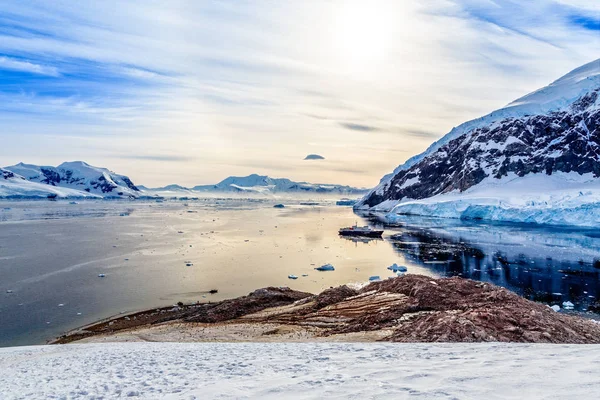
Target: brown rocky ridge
(411, 308)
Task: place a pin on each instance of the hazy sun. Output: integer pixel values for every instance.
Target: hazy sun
(363, 32)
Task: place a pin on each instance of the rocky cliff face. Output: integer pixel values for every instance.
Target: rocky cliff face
(565, 138)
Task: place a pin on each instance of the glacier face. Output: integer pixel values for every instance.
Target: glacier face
(548, 133)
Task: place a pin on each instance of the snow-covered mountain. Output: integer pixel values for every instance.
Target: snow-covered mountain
(535, 160)
(70, 179)
(261, 184)
(15, 186)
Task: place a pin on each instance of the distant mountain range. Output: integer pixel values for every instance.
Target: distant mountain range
(261, 184)
(536, 160)
(81, 180)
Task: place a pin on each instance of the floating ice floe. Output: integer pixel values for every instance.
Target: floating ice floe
(8, 291)
(326, 267)
(101, 275)
(567, 305)
(292, 277)
(556, 307)
(374, 278)
(397, 268)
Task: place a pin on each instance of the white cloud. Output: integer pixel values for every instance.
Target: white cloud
(26, 66)
(218, 82)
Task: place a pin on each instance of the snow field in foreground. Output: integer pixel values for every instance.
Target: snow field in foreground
(300, 371)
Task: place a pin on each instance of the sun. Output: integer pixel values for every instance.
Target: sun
(363, 34)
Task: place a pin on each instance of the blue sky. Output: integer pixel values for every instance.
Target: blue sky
(189, 92)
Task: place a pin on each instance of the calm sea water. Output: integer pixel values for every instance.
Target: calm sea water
(156, 254)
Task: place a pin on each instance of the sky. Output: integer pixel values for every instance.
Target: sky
(190, 92)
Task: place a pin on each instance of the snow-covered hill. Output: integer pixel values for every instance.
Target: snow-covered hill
(535, 160)
(260, 184)
(14, 186)
(300, 371)
(70, 179)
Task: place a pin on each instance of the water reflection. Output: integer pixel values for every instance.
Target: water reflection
(357, 240)
(542, 264)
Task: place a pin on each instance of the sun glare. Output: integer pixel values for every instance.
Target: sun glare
(363, 34)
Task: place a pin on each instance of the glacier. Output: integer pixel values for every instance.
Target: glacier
(557, 199)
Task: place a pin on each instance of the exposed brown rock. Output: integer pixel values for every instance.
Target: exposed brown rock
(334, 295)
(256, 301)
(411, 308)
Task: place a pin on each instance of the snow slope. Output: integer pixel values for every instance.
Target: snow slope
(77, 176)
(552, 134)
(300, 371)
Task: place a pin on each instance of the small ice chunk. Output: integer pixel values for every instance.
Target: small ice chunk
(374, 278)
(101, 275)
(8, 291)
(61, 305)
(397, 268)
(292, 277)
(326, 267)
(567, 305)
(556, 307)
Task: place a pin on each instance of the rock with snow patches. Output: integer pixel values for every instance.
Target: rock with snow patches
(536, 160)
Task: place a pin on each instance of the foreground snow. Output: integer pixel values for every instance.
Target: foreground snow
(557, 199)
(300, 371)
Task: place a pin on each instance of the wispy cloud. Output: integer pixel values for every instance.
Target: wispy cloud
(153, 157)
(26, 66)
(358, 127)
(201, 85)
